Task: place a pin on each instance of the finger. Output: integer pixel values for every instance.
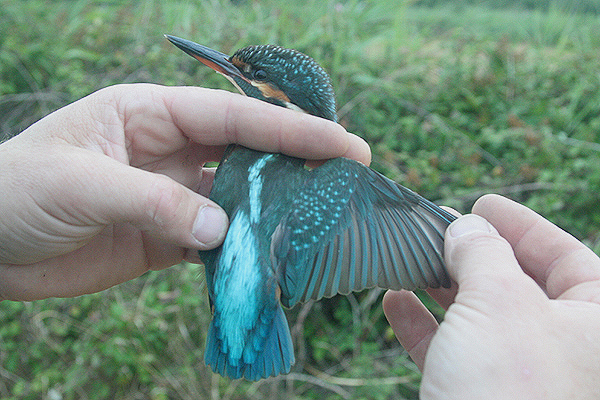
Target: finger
(476, 254)
(184, 166)
(561, 264)
(116, 198)
(451, 211)
(412, 323)
(206, 181)
(117, 254)
(192, 256)
(156, 204)
(444, 297)
(166, 209)
(217, 117)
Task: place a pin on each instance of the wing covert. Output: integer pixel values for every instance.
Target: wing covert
(351, 228)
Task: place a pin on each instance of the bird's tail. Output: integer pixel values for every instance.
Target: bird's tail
(276, 356)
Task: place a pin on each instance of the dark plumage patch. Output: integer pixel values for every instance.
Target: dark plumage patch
(304, 82)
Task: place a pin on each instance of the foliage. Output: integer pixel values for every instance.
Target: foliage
(457, 99)
(579, 6)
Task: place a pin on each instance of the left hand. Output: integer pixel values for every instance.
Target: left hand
(112, 185)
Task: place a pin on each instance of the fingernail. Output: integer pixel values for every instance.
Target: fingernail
(210, 225)
(468, 224)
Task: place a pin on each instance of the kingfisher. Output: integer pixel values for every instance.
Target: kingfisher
(297, 233)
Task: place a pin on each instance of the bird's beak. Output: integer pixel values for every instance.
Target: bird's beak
(209, 57)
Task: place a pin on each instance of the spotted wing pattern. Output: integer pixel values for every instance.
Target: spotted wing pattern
(351, 228)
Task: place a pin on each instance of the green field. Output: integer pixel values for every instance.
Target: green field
(456, 98)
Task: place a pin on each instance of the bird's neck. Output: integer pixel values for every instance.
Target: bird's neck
(243, 156)
(244, 172)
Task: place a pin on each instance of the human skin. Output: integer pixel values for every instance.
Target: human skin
(113, 185)
(522, 321)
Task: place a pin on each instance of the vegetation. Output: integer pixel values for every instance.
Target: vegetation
(457, 99)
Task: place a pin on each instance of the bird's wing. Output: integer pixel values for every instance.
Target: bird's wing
(351, 228)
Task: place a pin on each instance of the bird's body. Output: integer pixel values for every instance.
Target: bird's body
(297, 234)
(248, 321)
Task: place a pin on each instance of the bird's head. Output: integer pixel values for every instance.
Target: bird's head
(271, 73)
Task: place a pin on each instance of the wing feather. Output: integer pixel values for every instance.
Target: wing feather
(350, 228)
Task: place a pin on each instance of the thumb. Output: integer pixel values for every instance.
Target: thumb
(154, 203)
(473, 249)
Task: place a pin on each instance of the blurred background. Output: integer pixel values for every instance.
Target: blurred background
(456, 97)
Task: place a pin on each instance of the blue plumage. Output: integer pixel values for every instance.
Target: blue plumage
(297, 234)
(271, 357)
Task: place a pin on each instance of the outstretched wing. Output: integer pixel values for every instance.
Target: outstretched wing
(351, 228)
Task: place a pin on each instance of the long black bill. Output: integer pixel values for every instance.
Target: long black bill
(207, 56)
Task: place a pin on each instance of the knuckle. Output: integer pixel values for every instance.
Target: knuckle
(163, 200)
(478, 247)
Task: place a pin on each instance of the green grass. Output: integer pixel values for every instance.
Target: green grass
(456, 100)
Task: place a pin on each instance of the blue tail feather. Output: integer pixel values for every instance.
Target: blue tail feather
(276, 356)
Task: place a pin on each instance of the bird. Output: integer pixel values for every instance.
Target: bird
(298, 233)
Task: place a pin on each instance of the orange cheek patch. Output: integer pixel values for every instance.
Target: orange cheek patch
(269, 91)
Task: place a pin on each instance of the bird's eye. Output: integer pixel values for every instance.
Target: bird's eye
(259, 75)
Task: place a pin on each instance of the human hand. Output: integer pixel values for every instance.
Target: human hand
(106, 188)
(524, 321)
